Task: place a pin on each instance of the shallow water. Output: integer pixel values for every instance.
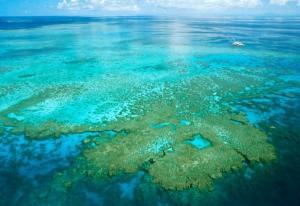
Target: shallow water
(199, 142)
(74, 91)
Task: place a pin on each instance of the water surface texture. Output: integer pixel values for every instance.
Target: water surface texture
(149, 111)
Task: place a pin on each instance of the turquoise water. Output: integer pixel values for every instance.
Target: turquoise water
(199, 142)
(91, 72)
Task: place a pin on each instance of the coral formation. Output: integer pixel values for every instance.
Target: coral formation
(154, 139)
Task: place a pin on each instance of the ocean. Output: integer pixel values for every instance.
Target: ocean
(147, 110)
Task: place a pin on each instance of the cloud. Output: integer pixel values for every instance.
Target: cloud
(109, 5)
(136, 5)
(279, 2)
(204, 4)
(71, 5)
(284, 2)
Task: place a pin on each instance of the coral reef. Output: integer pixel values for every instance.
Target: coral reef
(155, 140)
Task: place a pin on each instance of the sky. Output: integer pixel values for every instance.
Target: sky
(148, 7)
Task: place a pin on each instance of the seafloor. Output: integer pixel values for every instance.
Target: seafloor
(149, 111)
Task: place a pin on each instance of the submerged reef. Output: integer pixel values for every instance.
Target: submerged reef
(184, 132)
(157, 137)
(1, 130)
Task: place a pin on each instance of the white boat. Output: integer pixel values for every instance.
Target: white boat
(238, 44)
